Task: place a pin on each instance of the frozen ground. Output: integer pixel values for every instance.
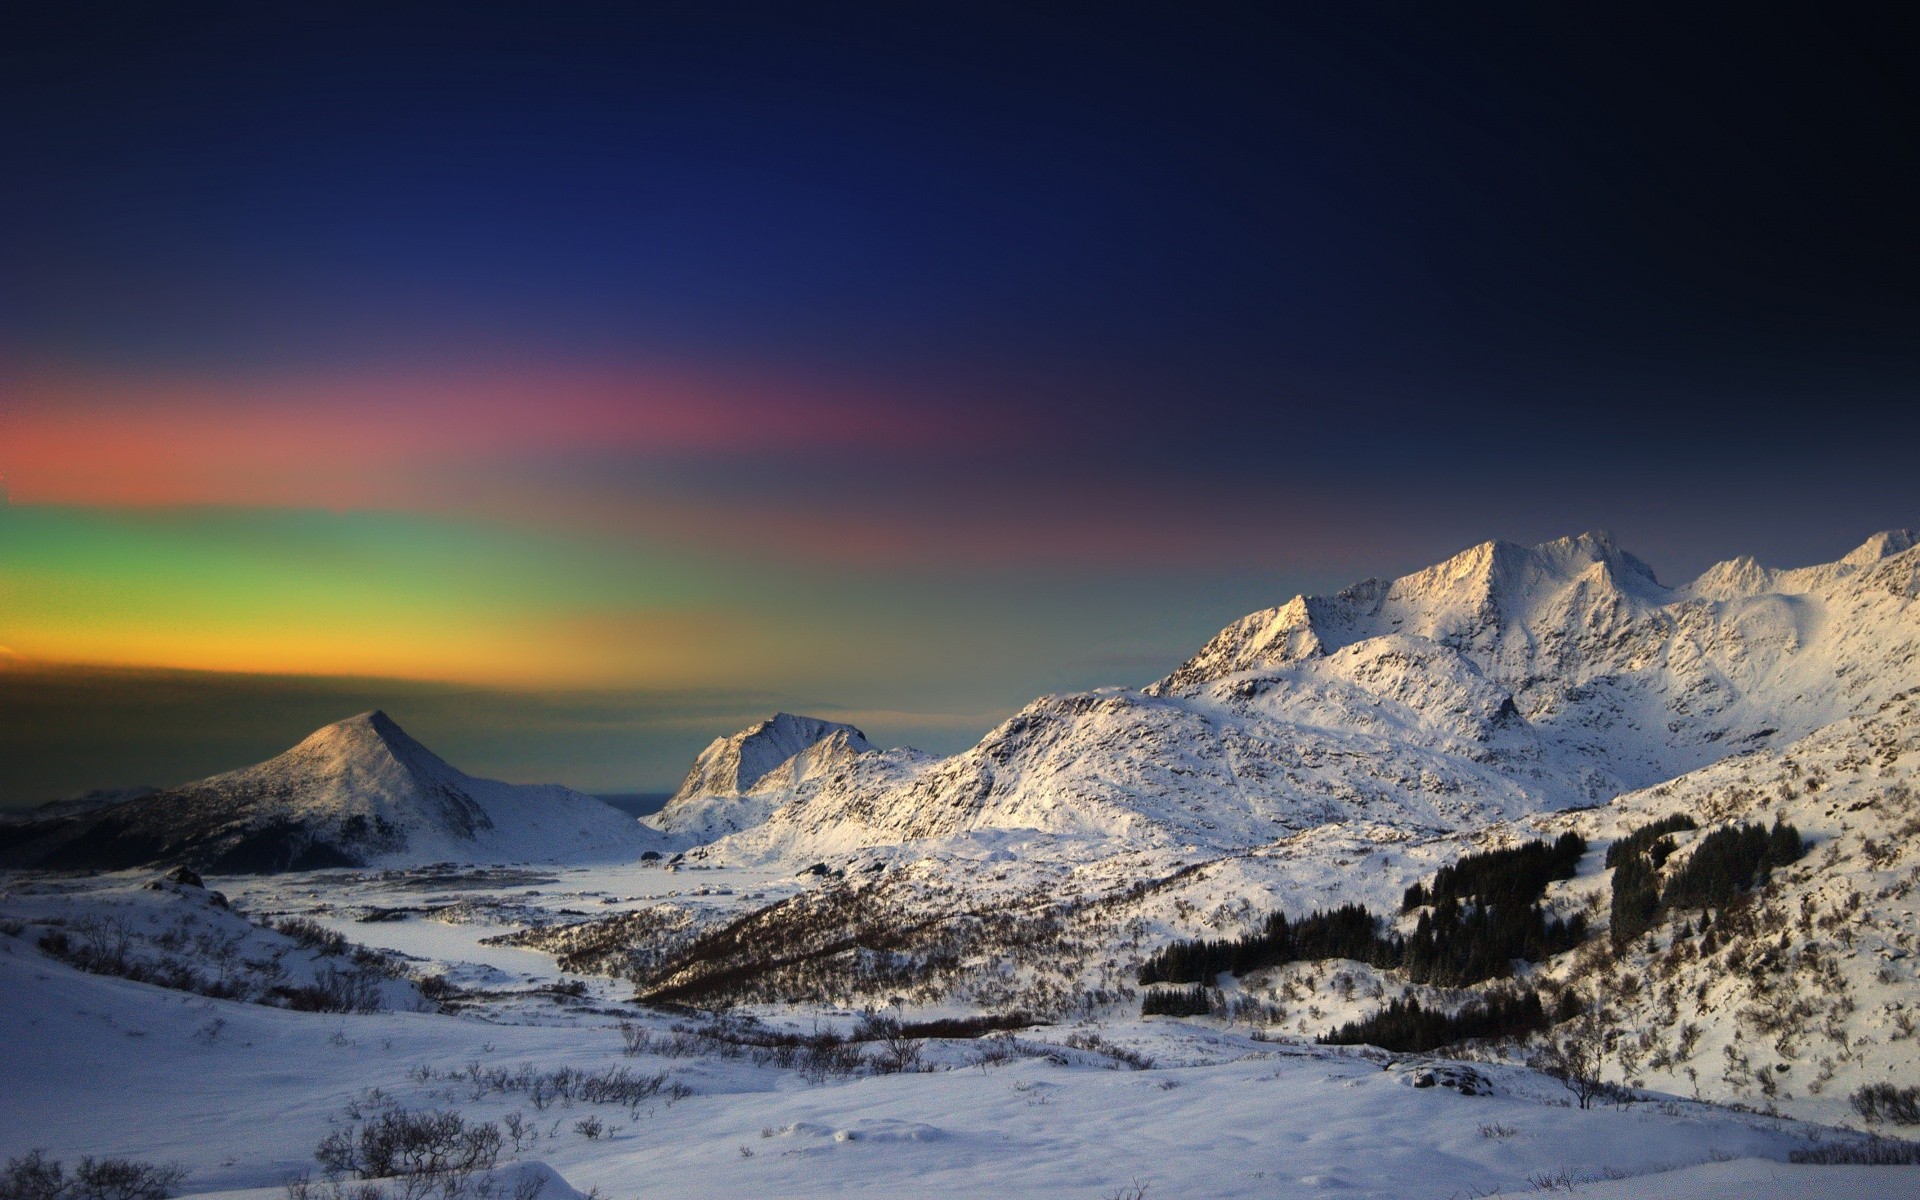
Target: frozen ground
(240, 1093)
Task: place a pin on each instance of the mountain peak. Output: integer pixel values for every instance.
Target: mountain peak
(1468, 599)
(368, 741)
(730, 766)
(1881, 545)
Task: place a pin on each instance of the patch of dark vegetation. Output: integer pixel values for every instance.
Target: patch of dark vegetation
(615, 1085)
(957, 1028)
(334, 991)
(421, 1153)
(884, 939)
(1885, 1102)
(1874, 1152)
(98, 947)
(1458, 946)
(1117, 1056)
(1636, 896)
(313, 935)
(1349, 931)
(1724, 866)
(820, 1055)
(210, 959)
(378, 916)
(1730, 861)
(1177, 1002)
(1641, 840)
(624, 945)
(890, 1044)
(1516, 876)
(34, 1176)
(1485, 913)
(1408, 1027)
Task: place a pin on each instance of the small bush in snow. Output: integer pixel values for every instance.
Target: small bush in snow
(1885, 1102)
(421, 1151)
(313, 935)
(900, 1051)
(1573, 1054)
(33, 1176)
(335, 991)
(1876, 1152)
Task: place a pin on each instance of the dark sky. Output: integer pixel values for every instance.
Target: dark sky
(1238, 298)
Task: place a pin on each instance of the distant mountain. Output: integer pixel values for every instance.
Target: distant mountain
(84, 802)
(359, 792)
(1504, 681)
(737, 781)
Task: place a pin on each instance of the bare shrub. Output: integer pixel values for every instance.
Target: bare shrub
(1875, 1152)
(899, 1051)
(634, 1038)
(314, 936)
(1120, 1055)
(421, 1151)
(518, 1129)
(335, 991)
(33, 1176)
(1572, 1054)
(1885, 1102)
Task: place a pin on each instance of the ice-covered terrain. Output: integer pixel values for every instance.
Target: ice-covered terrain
(841, 970)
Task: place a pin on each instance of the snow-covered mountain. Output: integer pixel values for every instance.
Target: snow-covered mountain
(1504, 681)
(738, 781)
(359, 792)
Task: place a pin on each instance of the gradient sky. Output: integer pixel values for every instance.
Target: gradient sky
(580, 382)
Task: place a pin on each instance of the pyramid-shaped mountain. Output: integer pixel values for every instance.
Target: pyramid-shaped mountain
(359, 792)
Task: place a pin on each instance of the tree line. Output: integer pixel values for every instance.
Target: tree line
(1726, 864)
(1485, 913)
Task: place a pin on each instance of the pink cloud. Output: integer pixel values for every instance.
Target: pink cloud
(95, 439)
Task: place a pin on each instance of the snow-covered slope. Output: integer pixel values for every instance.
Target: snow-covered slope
(1810, 990)
(359, 792)
(1503, 681)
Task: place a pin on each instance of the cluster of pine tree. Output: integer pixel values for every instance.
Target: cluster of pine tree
(1518, 876)
(1176, 1002)
(1456, 945)
(1726, 863)
(1349, 931)
(1405, 1027)
(1643, 840)
(1485, 914)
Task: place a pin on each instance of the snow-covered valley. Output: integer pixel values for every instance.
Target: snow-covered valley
(828, 968)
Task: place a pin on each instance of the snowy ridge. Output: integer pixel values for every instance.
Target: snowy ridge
(738, 781)
(1504, 681)
(359, 792)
